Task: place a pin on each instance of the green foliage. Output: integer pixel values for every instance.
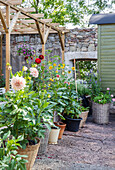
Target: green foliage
(2, 81)
(69, 11)
(82, 89)
(83, 68)
(9, 159)
(103, 98)
(22, 114)
(94, 84)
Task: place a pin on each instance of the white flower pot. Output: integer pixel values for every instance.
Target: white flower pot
(53, 136)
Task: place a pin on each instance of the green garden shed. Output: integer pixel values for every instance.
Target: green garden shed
(106, 48)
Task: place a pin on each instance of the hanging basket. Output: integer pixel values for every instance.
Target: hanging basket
(100, 113)
(31, 151)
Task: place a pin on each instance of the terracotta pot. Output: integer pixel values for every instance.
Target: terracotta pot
(31, 151)
(62, 126)
(83, 115)
(53, 136)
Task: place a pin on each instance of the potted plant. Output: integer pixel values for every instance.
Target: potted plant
(9, 159)
(72, 113)
(84, 115)
(19, 116)
(101, 104)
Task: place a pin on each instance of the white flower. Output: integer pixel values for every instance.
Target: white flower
(24, 68)
(9, 68)
(34, 72)
(18, 83)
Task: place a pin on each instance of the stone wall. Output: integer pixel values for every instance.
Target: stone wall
(81, 40)
(78, 43)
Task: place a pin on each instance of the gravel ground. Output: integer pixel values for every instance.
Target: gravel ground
(92, 148)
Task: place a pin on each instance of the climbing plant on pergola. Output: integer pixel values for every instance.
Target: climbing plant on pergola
(16, 20)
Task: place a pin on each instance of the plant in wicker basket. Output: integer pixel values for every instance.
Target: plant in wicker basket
(9, 159)
(100, 107)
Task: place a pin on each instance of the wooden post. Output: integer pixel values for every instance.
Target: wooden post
(1, 54)
(61, 37)
(43, 43)
(7, 48)
(75, 75)
(63, 50)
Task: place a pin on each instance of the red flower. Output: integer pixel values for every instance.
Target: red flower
(41, 57)
(57, 75)
(37, 61)
(26, 58)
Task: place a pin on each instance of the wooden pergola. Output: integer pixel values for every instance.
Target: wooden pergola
(16, 20)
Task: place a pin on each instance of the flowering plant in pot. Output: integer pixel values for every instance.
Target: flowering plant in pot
(94, 84)
(59, 84)
(21, 114)
(101, 104)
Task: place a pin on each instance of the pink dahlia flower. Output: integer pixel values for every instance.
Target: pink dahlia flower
(34, 72)
(18, 83)
(113, 99)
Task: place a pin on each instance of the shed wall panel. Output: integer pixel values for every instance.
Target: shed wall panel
(106, 56)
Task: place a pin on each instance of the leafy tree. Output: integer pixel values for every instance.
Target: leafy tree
(69, 11)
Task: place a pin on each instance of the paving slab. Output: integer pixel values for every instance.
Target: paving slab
(92, 148)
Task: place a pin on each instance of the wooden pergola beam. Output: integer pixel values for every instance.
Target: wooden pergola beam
(46, 34)
(31, 21)
(14, 2)
(40, 32)
(13, 22)
(61, 40)
(25, 9)
(21, 16)
(30, 16)
(3, 21)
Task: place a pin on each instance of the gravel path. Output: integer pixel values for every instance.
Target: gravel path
(92, 148)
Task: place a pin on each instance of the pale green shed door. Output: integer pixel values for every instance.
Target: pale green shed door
(106, 56)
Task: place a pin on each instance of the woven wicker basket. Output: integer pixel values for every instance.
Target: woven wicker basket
(31, 151)
(100, 113)
(83, 115)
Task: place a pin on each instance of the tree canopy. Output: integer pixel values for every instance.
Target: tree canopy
(69, 11)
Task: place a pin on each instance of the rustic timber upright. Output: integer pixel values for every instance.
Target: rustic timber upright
(17, 20)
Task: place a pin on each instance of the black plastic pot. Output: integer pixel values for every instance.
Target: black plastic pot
(72, 124)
